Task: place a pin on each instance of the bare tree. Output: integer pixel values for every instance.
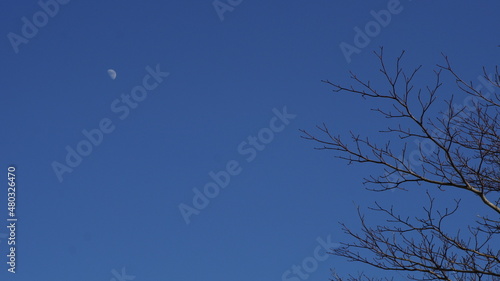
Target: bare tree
(459, 148)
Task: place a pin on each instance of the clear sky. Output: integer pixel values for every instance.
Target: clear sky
(232, 73)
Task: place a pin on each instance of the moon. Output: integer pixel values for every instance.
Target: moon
(112, 74)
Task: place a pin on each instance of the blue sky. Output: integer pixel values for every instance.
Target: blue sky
(119, 207)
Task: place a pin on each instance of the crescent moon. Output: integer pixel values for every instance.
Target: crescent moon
(112, 74)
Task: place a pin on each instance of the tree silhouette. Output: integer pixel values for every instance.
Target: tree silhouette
(458, 149)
